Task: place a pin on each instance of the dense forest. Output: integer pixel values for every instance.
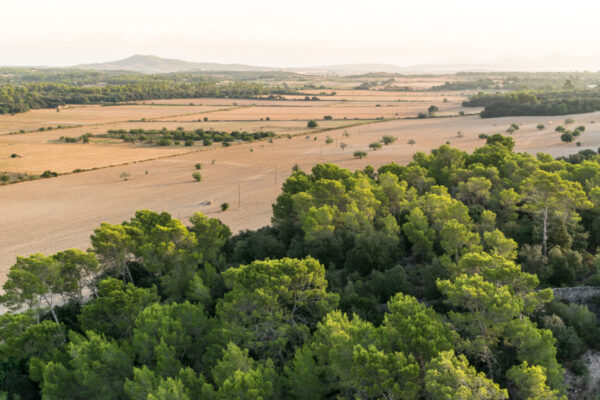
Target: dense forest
(25, 89)
(559, 102)
(425, 281)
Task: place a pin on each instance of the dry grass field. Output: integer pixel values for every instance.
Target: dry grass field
(48, 215)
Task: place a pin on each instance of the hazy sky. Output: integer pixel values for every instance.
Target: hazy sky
(297, 33)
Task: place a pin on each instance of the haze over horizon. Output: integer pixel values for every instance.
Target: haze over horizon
(303, 33)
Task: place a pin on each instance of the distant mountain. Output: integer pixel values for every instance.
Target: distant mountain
(154, 65)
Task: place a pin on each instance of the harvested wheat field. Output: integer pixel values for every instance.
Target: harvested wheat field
(48, 215)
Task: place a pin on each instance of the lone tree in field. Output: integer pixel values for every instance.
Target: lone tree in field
(541, 127)
(197, 176)
(343, 146)
(375, 145)
(224, 206)
(567, 137)
(312, 124)
(360, 154)
(198, 166)
(411, 142)
(432, 110)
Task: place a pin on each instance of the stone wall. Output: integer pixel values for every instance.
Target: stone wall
(581, 294)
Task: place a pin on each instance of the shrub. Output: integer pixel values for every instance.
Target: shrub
(569, 121)
(189, 142)
(14, 155)
(560, 128)
(581, 128)
(387, 139)
(312, 124)
(197, 176)
(48, 174)
(328, 140)
(224, 206)
(207, 142)
(164, 142)
(411, 142)
(205, 119)
(432, 109)
(4, 178)
(328, 118)
(421, 115)
(343, 146)
(198, 166)
(124, 175)
(360, 154)
(375, 145)
(540, 127)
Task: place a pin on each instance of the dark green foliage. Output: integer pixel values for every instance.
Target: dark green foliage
(164, 137)
(551, 102)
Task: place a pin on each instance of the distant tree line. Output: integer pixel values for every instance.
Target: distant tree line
(536, 103)
(165, 136)
(23, 89)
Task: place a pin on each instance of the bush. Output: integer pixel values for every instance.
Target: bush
(560, 128)
(541, 127)
(569, 121)
(312, 124)
(189, 142)
(224, 206)
(124, 175)
(375, 145)
(207, 142)
(411, 142)
(387, 139)
(328, 140)
(421, 115)
(360, 154)
(48, 174)
(164, 142)
(432, 109)
(328, 118)
(198, 166)
(197, 176)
